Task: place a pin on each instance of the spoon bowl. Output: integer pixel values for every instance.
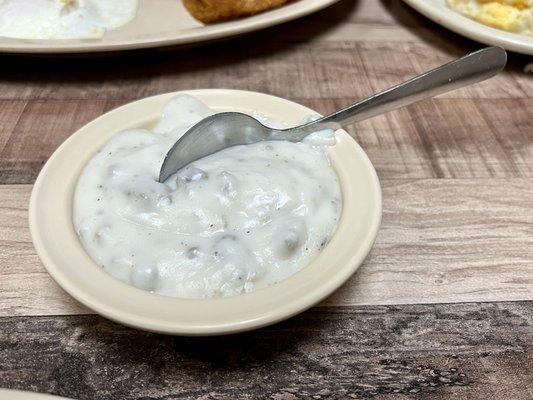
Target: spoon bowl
(210, 135)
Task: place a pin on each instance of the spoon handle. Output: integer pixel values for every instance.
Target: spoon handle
(472, 68)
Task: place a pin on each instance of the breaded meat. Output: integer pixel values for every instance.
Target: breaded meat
(210, 11)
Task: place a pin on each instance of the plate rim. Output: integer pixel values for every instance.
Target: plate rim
(200, 35)
(471, 29)
(15, 394)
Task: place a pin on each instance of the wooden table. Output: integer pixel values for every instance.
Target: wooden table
(440, 309)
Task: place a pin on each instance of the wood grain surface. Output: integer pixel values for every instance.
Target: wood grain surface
(441, 138)
(428, 315)
(381, 352)
(440, 241)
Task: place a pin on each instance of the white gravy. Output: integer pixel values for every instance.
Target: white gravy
(233, 222)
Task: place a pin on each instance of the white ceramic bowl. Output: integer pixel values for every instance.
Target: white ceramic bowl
(65, 259)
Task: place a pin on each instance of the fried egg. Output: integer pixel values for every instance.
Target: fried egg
(509, 15)
(63, 19)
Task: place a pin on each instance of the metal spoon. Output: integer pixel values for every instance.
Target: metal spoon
(227, 129)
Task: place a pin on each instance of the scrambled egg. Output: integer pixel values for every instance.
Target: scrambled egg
(510, 15)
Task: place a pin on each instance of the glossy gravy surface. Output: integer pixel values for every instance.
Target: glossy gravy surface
(230, 223)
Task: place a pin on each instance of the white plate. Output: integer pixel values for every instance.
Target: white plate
(65, 259)
(164, 23)
(437, 11)
(18, 395)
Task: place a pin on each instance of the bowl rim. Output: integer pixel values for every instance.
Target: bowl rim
(129, 314)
